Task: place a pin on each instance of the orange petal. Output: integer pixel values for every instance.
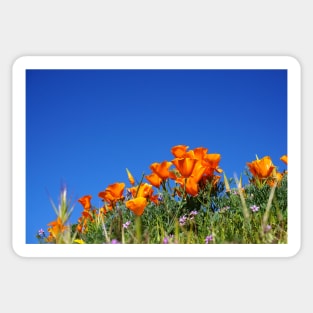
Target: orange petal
(161, 169)
(185, 166)
(200, 152)
(211, 160)
(284, 158)
(198, 171)
(145, 190)
(154, 180)
(191, 186)
(179, 151)
(261, 168)
(106, 196)
(113, 192)
(137, 205)
(116, 190)
(86, 214)
(85, 201)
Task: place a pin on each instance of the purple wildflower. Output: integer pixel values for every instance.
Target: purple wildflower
(254, 208)
(208, 239)
(114, 241)
(126, 224)
(160, 198)
(128, 194)
(182, 220)
(165, 240)
(41, 232)
(267, 228)
(192, 214)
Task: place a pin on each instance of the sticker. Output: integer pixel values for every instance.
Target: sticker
(156, 156)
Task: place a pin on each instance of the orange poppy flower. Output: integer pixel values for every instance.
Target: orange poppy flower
(284, 158)
(107, 196)
(87, 215)
(79, 228)
(211, 161)
(137, 205)
(161, 169)
(154, 180)
(191, 185)
(145, 190)
(261, 168)
(113, 192)
(185, 166)
(57, 227)
(189, 154)
(200, 153)
(179, 151)
(130, 177)
(198, 171)
(277, 177)
(85, 201)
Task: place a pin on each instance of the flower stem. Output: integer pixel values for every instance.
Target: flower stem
(138, 228)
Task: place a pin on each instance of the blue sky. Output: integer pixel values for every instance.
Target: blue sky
(85, 127)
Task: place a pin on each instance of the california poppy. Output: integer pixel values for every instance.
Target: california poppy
(211, 161)
(198, 171)
(190, 185)
(137, 205)
(261, 168)
(87, 215)
(144, 190)
(200, 152)
(277, 177)
(85, 201)
(161, 169)
(57, 227)
(185, 166)
(113, 192)
(179, 151)
(154, 180)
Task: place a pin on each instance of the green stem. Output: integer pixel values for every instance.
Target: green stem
(143, 175)
(138, 228)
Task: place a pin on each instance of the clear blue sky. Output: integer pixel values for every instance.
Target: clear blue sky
(84, 127)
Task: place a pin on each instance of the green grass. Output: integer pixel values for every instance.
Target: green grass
(226, 217)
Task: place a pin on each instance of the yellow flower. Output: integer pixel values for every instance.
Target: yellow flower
(80, 241)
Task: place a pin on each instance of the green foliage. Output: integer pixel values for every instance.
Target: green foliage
(213, 212)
